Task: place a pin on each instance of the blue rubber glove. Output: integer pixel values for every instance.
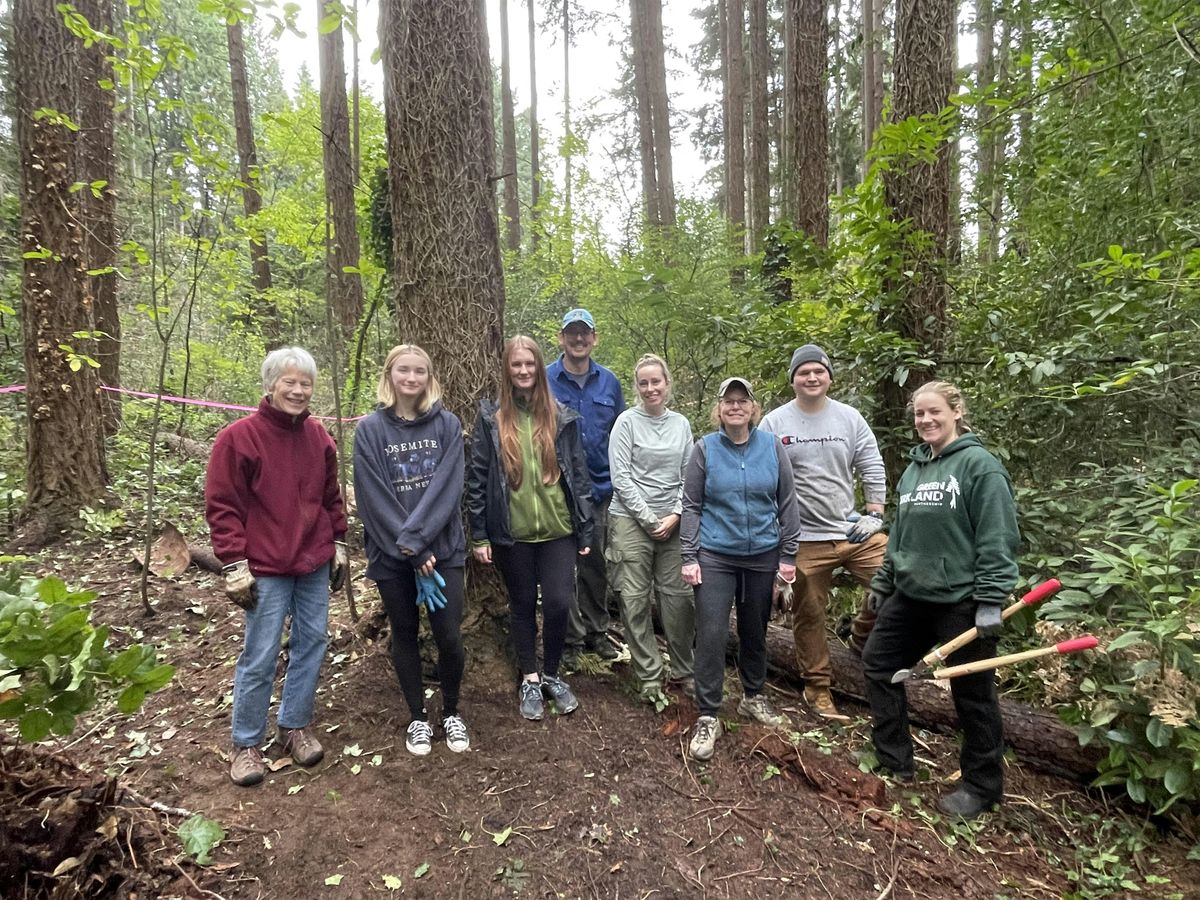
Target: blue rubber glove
(429, 591)
(860, 528)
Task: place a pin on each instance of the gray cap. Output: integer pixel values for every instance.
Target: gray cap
(806, 354)
(735, 381)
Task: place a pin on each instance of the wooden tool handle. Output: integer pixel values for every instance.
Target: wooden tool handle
(1039, 593)
(1087, 642)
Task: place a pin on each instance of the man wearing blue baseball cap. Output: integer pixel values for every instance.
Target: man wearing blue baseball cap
(595, 393)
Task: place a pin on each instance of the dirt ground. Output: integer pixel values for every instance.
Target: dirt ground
(603, 803)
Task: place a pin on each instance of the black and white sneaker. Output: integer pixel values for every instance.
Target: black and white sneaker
(457, 738)
(419, 739)
(560, 694)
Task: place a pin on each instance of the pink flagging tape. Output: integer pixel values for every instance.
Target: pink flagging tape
(190, 401)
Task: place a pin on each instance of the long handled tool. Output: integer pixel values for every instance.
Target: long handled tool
(939, 654)
(1087, 642)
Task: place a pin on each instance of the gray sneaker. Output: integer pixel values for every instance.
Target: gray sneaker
(560, 694)
(247, 766)
(759, 709)
(530, 699)
(418, 740)
(704, 738)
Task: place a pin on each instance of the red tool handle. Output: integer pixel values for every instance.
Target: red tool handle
(1042, 591)
(1087, 642)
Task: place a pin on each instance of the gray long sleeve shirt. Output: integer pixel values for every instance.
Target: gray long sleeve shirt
(827, 451)
(648, 457)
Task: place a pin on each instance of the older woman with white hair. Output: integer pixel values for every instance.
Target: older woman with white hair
(275, 513)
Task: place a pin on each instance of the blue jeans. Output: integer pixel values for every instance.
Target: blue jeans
(306, 597)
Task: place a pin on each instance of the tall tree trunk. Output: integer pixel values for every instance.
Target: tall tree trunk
(640, 43)
(735, 106)
(567, 136)
(659, 104)
(985, 134)
(535, 172)
(441, 155)
(264, 313)
(787, 121)
(355, 99)
(96, 110)
(870, 115)
(339, 175)
(653, 113)
(918, 193)
(65, 463)
(810, 126)
(512, 201)
(835, 128)
(759, 150)
(449, 287)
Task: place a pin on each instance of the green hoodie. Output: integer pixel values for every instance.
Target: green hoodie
(955, 534)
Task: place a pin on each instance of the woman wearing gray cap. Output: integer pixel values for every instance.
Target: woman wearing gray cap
(740, 527)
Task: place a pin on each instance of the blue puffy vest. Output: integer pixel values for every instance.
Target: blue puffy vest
(740, 516)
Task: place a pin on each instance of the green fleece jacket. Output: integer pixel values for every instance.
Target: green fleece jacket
(955, 534)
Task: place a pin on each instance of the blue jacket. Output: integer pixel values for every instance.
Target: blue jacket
(739, 500)
(408, 483)
(598, 403)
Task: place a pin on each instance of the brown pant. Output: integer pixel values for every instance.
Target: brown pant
(815, 564)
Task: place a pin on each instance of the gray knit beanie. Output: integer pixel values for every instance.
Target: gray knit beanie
(806, 354)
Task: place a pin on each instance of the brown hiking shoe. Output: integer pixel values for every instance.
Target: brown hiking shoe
(247, 766)
(301, 746)
(821, 702)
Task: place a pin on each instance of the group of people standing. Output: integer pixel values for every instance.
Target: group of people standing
(567, 492)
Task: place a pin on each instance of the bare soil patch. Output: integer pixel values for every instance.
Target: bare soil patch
(602, 803)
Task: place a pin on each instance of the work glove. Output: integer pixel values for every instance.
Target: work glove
(988, 621)
(859, 528)
(429, 591)
(239, 584)
(340, 567)
(875, 601)
(781, 597)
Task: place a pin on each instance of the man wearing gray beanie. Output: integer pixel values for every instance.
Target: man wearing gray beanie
(830, 446)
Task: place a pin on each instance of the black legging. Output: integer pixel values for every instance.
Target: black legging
(399, 600)
(524, 566)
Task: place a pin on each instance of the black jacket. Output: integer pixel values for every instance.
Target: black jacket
(487, 485)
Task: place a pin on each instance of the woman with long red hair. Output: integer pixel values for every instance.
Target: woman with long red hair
(530, 510)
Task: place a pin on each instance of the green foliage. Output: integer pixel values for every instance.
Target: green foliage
(1136, 588)
(200, 836)
(53, 662)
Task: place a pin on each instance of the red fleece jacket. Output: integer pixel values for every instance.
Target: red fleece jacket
(272, 493)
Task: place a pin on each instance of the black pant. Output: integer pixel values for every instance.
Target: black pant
(524, 566)
(399, 600)
(725, 584)
(904, 632)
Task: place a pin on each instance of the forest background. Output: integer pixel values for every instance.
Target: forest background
(1026, 226)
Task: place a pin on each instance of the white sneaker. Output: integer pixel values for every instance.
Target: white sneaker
(457, 738)
(419, 740)
(704, 738)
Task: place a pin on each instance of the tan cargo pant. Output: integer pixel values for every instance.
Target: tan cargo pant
(815, 565)
(643, 569)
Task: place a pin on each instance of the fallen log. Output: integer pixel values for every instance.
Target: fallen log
(1038, 736)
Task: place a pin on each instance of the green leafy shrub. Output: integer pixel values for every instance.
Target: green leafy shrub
(1136, 588)
(54, 663)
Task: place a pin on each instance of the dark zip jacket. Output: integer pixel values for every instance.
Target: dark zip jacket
(487, 485)
(408, 483)
(955, 536)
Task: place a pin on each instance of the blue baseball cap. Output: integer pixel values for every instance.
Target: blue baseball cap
(578, 315)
